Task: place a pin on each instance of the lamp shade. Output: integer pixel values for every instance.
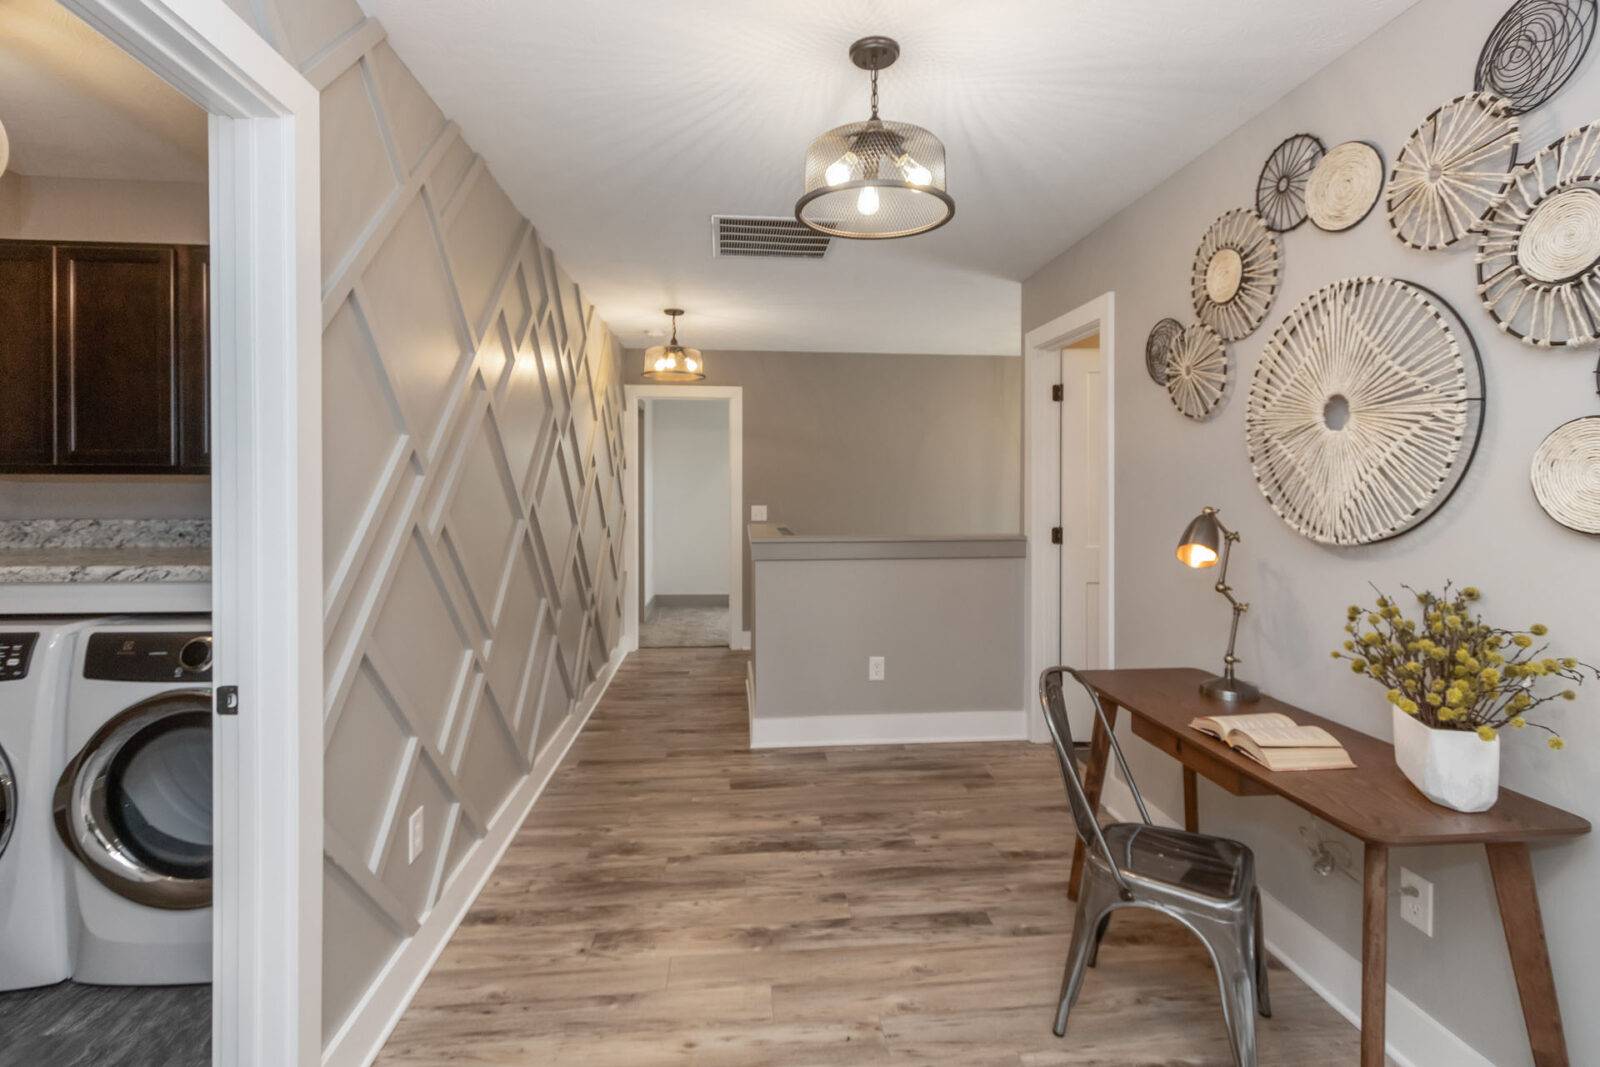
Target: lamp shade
(874, 180)
(1201, 543)
(673, 362)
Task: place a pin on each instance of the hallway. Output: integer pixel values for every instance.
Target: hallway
(678, 899)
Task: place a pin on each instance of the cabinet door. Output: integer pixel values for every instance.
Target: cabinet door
(27, 356)
(194, 359)
(116, 356)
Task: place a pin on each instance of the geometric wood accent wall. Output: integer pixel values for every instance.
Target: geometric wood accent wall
(472, 497)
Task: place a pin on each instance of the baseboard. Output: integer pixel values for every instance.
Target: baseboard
(888, 728)
(362, 1036)
(1413, 1038)
(741, 641)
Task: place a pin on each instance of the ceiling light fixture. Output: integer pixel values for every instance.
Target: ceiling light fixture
(874, 180)
(672, 362)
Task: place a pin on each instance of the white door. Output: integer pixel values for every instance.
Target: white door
(1084, 520)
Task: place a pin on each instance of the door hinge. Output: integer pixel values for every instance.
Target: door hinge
(1058, 393)
(1057, 536)
(227, 700)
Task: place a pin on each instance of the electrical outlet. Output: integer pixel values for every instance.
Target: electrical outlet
(874, 668)
(758, 513)
(1416, 901)
(415, 830)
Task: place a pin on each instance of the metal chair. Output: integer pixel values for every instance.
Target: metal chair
(1206, 883)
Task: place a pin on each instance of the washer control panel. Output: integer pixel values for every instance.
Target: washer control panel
(16, 651)
(148, 657)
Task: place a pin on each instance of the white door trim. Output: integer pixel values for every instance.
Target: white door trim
(266, 509)
(1041, 488)
(734, 395)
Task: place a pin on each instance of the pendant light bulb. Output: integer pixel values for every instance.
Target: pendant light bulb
(867, 202)
(915, 172)
(840, 170)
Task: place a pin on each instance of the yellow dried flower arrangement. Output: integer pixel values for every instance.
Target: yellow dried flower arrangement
(1453, 671)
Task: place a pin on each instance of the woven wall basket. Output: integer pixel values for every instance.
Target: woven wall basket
(1235, 274)
(1163, 335)
(1364, 411)
(1566, 474)
(1454, 169)
(1197, 372)
(1281, 186)
(1539, 256)
(1344, 186)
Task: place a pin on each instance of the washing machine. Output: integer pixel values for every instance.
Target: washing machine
(132, 805)
(36, 658)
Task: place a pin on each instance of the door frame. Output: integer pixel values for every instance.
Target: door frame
(1041, 435)
(738, 635)
(266, 513)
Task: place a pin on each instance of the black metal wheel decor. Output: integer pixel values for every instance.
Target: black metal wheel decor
(1534, 48)
(1281, 188)
(1159, 346)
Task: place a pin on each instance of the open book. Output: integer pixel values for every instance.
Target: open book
(1275, 742)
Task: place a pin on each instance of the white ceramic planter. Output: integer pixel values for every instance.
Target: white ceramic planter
(1455, 768)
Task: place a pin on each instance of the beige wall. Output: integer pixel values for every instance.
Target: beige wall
(472, 508)
(70, 209)
(876, 444)
(1491, 533)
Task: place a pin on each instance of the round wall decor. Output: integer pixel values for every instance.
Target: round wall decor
(1157, 347)
(1365, 411)
(1197, 372)
(1281, 188)
(1534, 48)
(1235, 274)
(1566, 474)
(1452, 172)
(1344, 186)
(1539, 256)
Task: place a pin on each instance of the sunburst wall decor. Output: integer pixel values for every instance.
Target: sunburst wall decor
(1197, 372)
(1539, 256)
(1235, 274)
(1454, 169)
(1364, 411)
(1281, 187)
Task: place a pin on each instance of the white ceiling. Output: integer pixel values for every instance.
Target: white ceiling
(77, 106)
(621, 126)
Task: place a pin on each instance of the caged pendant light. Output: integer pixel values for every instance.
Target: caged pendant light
(874, 180)
(672, 362)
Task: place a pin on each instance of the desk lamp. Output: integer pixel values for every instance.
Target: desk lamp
(1204, 542)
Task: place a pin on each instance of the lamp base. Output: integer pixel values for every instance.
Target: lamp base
(1229, 690)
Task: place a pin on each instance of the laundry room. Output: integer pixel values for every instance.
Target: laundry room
(106, 695)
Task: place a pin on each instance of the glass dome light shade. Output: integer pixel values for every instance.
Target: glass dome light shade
(674, 363)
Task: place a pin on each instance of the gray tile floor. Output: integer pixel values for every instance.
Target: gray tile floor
(71, 1025)
(685, 622)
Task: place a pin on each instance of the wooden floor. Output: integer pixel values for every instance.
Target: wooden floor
(678, 899)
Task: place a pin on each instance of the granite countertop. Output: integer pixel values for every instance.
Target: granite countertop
(39, 551)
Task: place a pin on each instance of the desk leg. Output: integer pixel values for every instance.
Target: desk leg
(1530, 956)
(1191, 800)
(1094, 779)
(1374, 954)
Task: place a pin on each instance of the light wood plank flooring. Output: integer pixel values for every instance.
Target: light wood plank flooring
(678, 899)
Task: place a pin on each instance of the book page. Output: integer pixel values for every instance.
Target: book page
(1257, 725)
(1289, 735)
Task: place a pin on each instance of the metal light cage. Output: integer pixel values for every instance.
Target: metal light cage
(875, 180)
(673, 362)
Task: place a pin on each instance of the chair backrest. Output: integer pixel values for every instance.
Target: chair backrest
(1053, 701)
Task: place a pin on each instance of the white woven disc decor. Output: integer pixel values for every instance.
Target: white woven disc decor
(1364, 411)
(1454, 169)
(1566, 474)
(1197, 372)
(1345, 186)
(1235, 274)
(1539, 256)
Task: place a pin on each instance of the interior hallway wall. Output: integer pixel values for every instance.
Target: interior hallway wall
(472, 511)
(840, 443)
(688, 497)
(70, 209)
(1491, 534)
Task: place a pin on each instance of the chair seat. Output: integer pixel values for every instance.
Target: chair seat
(1197, 863)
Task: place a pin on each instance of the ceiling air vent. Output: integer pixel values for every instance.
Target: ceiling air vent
(773, 238)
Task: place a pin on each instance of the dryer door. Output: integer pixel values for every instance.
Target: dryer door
(134, 806)
(8, 801)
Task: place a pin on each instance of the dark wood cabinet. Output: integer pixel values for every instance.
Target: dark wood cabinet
(107, 347)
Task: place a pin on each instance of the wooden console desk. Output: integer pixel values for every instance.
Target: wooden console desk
(1374, 803)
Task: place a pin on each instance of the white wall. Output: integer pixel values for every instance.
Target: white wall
(1491, 534)
(687, 490)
